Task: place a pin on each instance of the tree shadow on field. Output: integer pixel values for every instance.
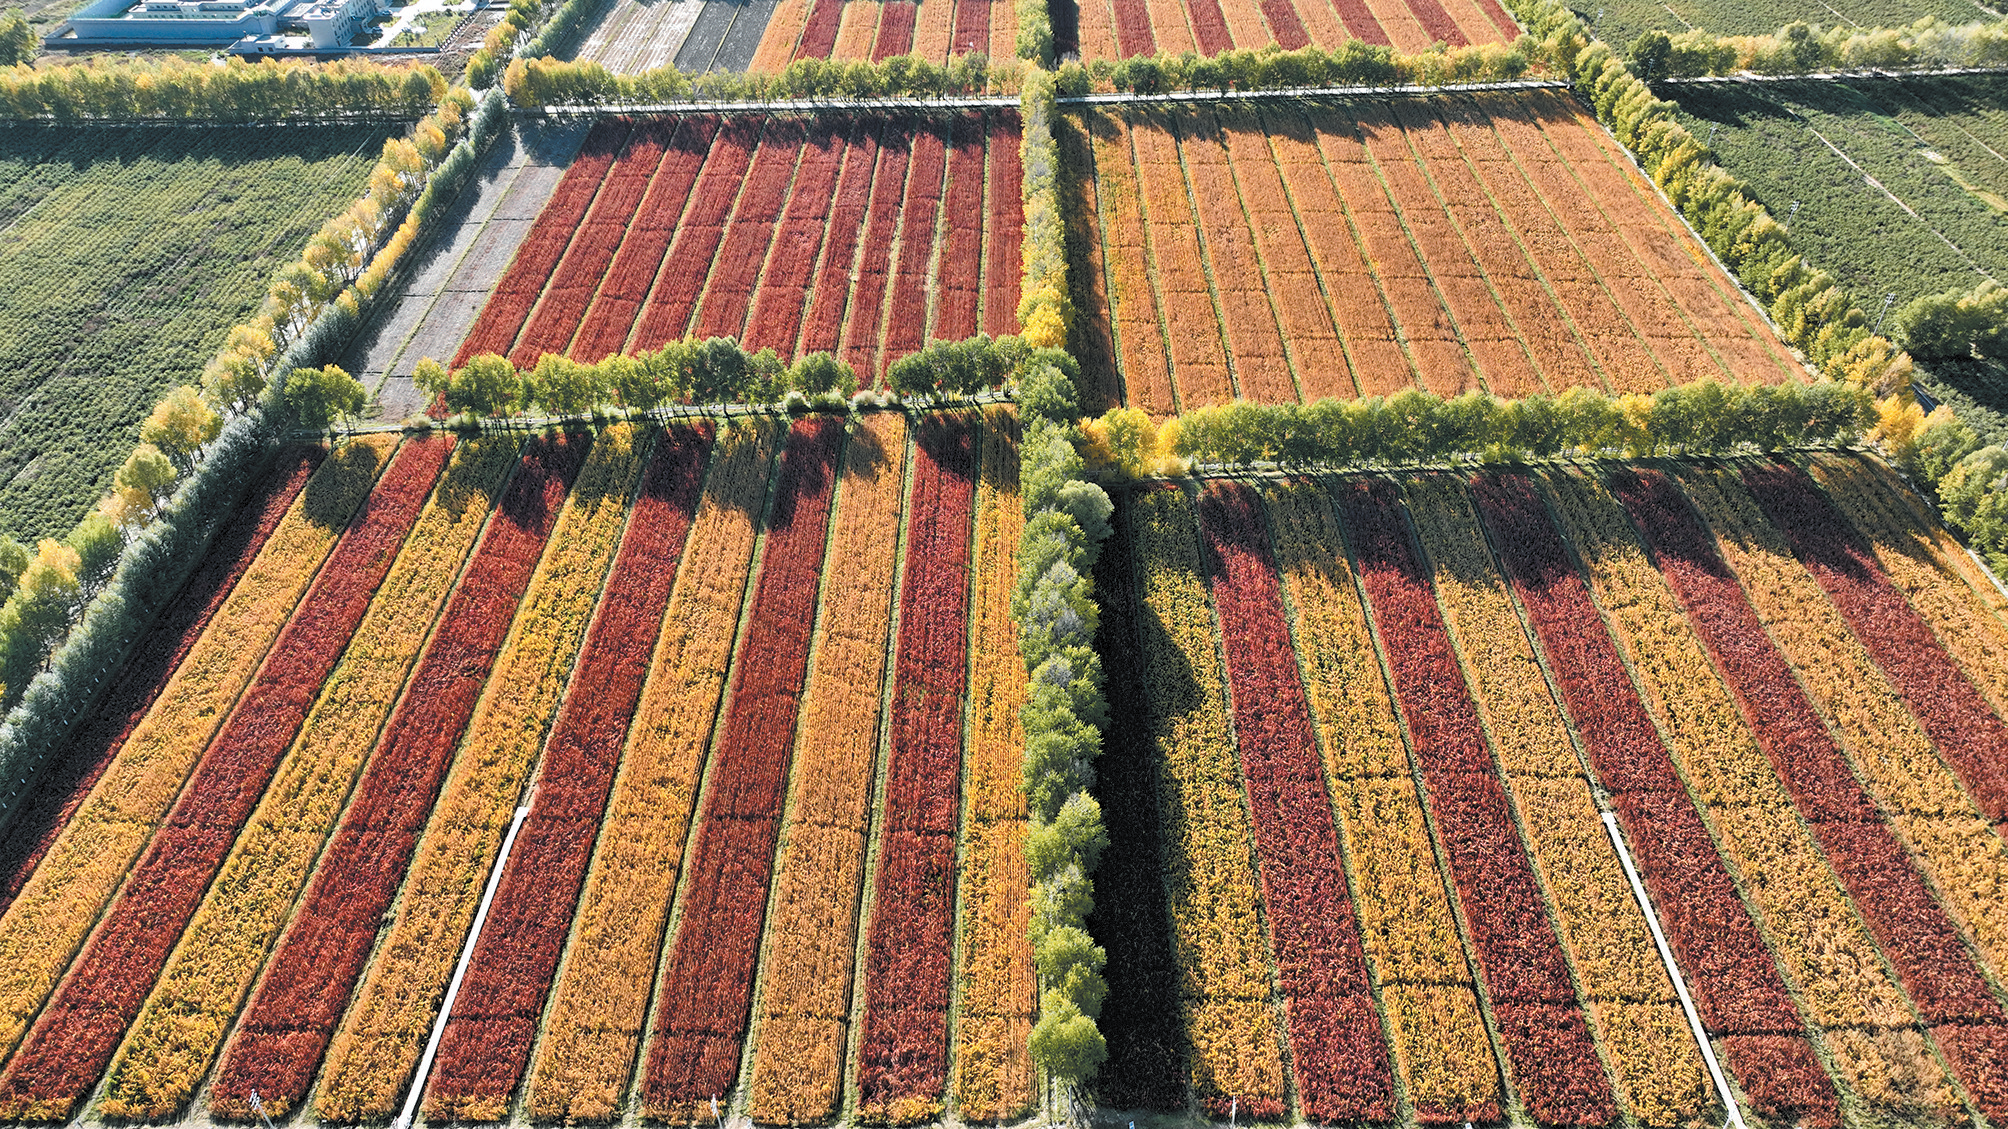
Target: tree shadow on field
(808, 466)
(465, 476)
(329, 500)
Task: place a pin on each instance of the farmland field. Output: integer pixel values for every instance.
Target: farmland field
(1361, 247)
(1900, 185)
(125, 257)
(631, 36)
(1118, 29)
(849, 30)
(1619, 22)
(865, 237)
(1356, 866)
(774, 660)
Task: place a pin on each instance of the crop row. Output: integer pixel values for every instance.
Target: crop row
(935, 31)
(1913, 928)
(1474, 246)
(805, 998)
(1118, 29)
(702, 1010)
(769, 221)
(190, 1008)
(1629, 1001)
(599, 1004)
(277, 1046)
(903, 1051)
(385, 1030)
(58, 906)
(79, 1028)
(1340, 1064)
(486, 1045)
(65, 785)
(997, 997)
(1411, 936)
(1845, 990)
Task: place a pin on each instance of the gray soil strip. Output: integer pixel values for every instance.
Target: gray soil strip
(451, 275)
(726, 35)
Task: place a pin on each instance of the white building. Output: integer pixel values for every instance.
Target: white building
(220, 23)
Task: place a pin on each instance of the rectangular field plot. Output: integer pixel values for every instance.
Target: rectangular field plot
(863, 236)
(1357, 870)
(849, 30)
(1619, 22)
(632, 36)
(1118, 29)
(755, 683)
(126, 254)
(1282, 253)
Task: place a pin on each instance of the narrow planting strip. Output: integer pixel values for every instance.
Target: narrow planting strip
(501, 319)
(189, 1012)
(64, 785)
(903, 1054)
(278, 1043)
(997, 998)
(617, 307)
(776, 318)
(372, 1056)
(819, 37)
(958, 281)
(1337, 1048)
(864, 314)
(577, 279)
(906, 324)
(1004, 230)
(1426, 985)
(59, 905)
(805, 982)
(1225, 969)
(1910, 924)
(895, 29)
(73, 1040)
(743, 253)
(679, 283)
(822, 328)
(1628, 997)
(600, 1001)
(1555, 1068)
(486, 1044)
(702, 1010)
(1735, 981)
(1967, 732)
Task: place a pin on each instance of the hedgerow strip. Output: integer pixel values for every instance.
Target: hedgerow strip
(594, 1021)
(1654, 1060)
(1224, 964)
(1526, 978)
(189, 1011)
(1959, 721)
(903, 1051)
(997, 998)
(1438, 1036)
(486, 1045)
(50, 918)
(1337, 1046)
(1827, 956)
(277, 1046)
(702, 1006)
(1923, 560)
(63, 787)
(805, 981)
(81, 1025)
(1910, 925)
(372, 1055)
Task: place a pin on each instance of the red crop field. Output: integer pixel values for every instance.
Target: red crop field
(1339, 640)
(1118, 29)
(795, 235)
(621, 609)
(849, 30)
(1356, 248)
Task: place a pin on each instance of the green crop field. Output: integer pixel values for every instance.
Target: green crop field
(1618, 22)
(126, 254)
(1901, 187)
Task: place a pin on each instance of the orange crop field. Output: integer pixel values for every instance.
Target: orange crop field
(1502, 243)
(1118, 29)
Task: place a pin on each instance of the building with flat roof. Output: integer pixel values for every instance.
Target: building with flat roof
(328, 24)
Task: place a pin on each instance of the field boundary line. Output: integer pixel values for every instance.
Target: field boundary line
(460, 970)
(1610, 822)
(1314, 93)
(1826, 76)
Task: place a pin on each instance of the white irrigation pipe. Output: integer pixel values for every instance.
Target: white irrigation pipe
(1673, 970)
(404, 1119)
